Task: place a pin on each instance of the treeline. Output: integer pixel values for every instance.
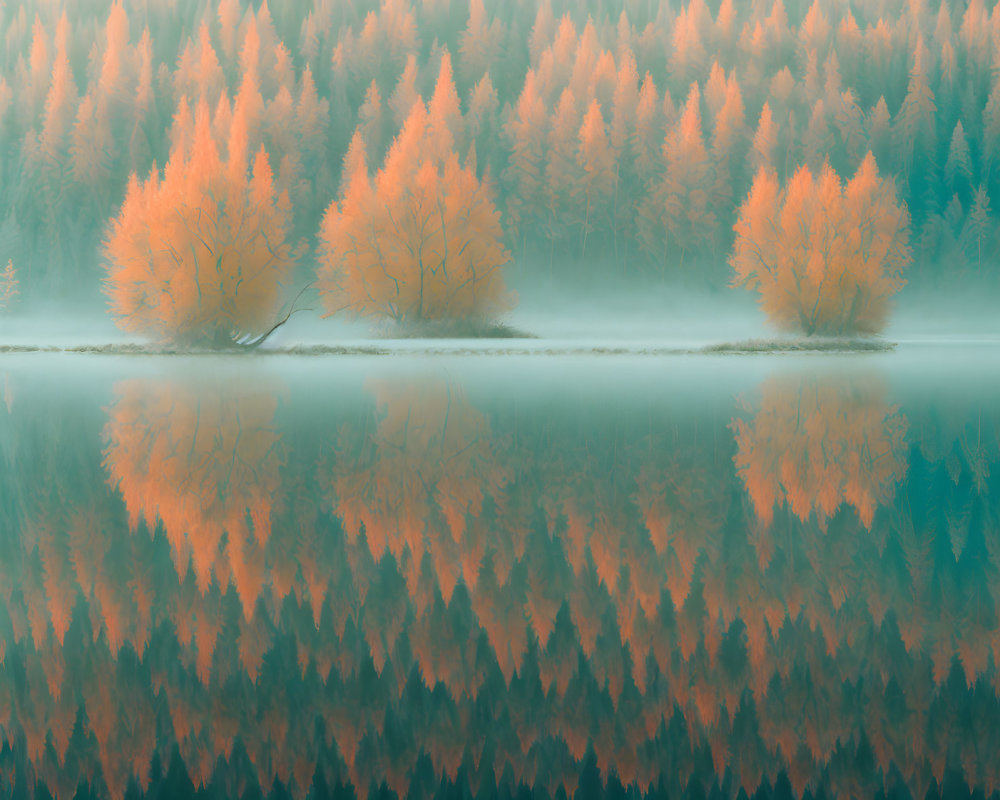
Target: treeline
(623, 134)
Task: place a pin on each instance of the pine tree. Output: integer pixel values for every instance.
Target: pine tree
(623, 130)
(958, 166)
(624, 38)
(444, 107)
(526, 131)
(675, 217)
(979, 234)
(914, 131)
(814, 32)
(228, 12)
(943, 30)
(91, 154)
(729, 141)
(53, 142)
(586, 55)
(595, 161)
(878, 128)
(541, 31)
(312, 115)
(603, 80)
(818, 139)
(649, 123)
(689, 55)
(111, 83)
(282, 73)
(41, 70)
(370, 120)
(482, 122)
(561, 169)
(765, 141)
(850, 125)
(725, 26)
(849, 44)
(480, 45)
(715, 90)
(989, 145)
(405, 94)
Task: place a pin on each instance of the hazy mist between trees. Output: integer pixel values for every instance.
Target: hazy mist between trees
(613, 556)
(607, 147)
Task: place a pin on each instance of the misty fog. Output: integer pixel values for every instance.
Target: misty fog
(568, 399)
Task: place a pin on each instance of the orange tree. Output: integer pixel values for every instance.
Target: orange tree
(422, 239)
(198, 253)
(825, 257)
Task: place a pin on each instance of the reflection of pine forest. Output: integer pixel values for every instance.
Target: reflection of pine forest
(399, 154)
(209, 584)
(426, 575)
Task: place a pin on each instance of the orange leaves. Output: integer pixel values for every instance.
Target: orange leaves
(8, 286)
(420, 241)
(595, 163)
(675, 216)
(203, 464)
(825, 258)
(450, 621)
(816, 445)
(526, 133)
(422, 476)
(198, 253)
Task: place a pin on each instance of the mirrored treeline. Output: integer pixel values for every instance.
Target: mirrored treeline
(492, 580)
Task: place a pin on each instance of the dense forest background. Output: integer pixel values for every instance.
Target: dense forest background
(618, 137)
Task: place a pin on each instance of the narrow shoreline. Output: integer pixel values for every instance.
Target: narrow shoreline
(749, 347)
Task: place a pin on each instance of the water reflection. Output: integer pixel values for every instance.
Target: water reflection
(817, 444)
(203, 462)
(796, 589)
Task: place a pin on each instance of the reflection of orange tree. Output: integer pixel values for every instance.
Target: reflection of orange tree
(577, 632)
(415, 485)
(818, 444)
(205, 463)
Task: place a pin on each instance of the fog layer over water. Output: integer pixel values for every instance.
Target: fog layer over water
(638, 318)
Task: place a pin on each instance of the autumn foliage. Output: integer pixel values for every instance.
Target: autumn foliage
(202, 463)
(826, 257)
(411, 558)
(421, 240)
(8, 286)
(816, 445)
(616, 138)
(199, 253)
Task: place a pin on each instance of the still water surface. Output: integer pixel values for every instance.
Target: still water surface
(468, 577)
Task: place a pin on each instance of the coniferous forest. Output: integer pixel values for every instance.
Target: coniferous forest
(420, 159)
(635, 549)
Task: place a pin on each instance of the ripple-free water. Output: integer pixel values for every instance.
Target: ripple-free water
(489, 575)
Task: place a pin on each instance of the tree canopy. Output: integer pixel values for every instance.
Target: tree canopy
(824, 256)
(198, 254)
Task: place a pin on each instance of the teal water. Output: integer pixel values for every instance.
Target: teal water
(488, 576)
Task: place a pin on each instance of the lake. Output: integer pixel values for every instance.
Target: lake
(457, 576)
